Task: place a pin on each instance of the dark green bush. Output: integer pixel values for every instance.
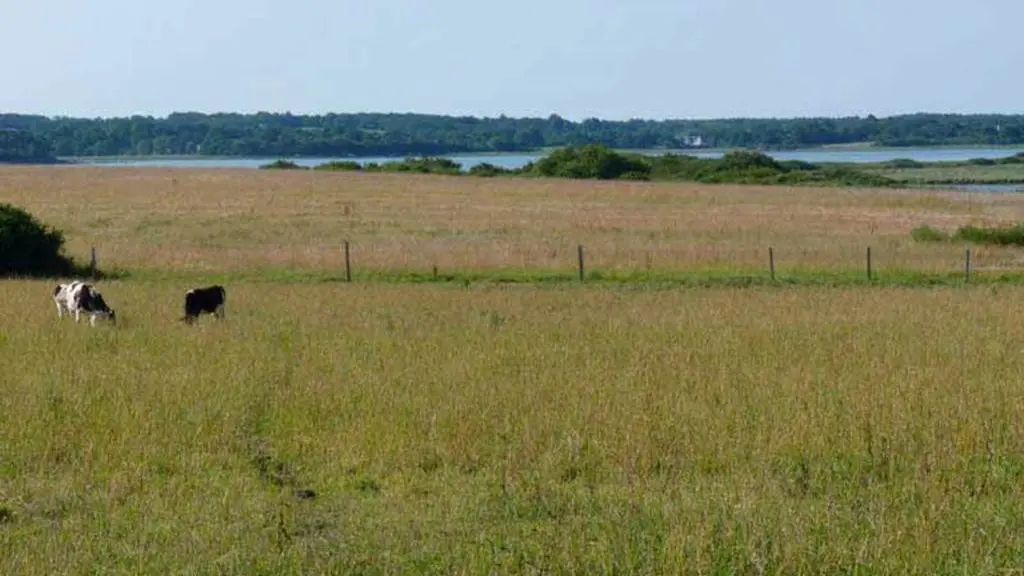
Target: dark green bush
(743, 159)
(421, 165)
(928, 234)
(1017, 158)
(340, 165)
(798, 165)
(590, 161)
(638, 176)
(282, 165)
(486, 169)
(845, 176)
(1001, 236)
(904, 163)
(30, 248)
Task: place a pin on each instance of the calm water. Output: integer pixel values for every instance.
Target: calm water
(518, 160)
(984, 187)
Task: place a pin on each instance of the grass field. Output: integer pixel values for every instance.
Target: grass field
(515, 430)
(220, 221)
(470, 429)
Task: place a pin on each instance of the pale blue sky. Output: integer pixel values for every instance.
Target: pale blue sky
(612, 59)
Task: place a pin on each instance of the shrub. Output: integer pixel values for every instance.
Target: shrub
(423, 165)
(797, 166)
(928, 234)
(340, 165)
(1017, 158)
(634, 175)
(846, 176)
(282, 165)
(486, 169)
(1001, 236)
(590, 161)
(679, 166)
(740, 175)
(30, 248)
(743, 160)
(904, 163)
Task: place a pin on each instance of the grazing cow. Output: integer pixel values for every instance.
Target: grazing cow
(209, 300)
(77, 297)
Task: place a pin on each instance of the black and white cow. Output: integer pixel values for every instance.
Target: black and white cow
(209, 300)
(77, 297)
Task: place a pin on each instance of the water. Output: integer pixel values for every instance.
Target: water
(468, 161)
(983, 187)
(818, 155)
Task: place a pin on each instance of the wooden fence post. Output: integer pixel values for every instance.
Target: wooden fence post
(92, 263)
(869, 263)
(348, 264)
(967, 265)
(771, 262)
(579, 254)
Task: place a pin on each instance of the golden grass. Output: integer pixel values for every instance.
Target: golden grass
(514, 431)
(222, 219)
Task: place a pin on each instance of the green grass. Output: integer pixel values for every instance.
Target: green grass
(656, 279)
(514, 431)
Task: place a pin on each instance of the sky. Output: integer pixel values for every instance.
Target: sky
(609, 59)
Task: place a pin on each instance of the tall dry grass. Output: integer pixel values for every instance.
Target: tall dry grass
(514, 431)
(221, 219)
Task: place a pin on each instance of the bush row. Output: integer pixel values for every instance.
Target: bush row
(601, 163)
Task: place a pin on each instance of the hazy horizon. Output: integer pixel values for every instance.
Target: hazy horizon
(609, 59)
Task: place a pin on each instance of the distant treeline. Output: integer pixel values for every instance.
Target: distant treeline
(366, 134)
(597, 162)
(22, 147)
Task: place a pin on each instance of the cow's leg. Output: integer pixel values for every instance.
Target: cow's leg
(60, 309)
(78, 314)
(92, 319)
(219, 312)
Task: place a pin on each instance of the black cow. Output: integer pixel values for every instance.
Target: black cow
(209, 300)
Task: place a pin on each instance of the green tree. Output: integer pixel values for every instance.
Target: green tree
(590, 161)
(23, 146)
(401, 135)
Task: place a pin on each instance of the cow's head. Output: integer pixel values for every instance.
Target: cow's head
(100, 305)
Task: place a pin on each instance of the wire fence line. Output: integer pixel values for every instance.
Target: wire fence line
(870, 273)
